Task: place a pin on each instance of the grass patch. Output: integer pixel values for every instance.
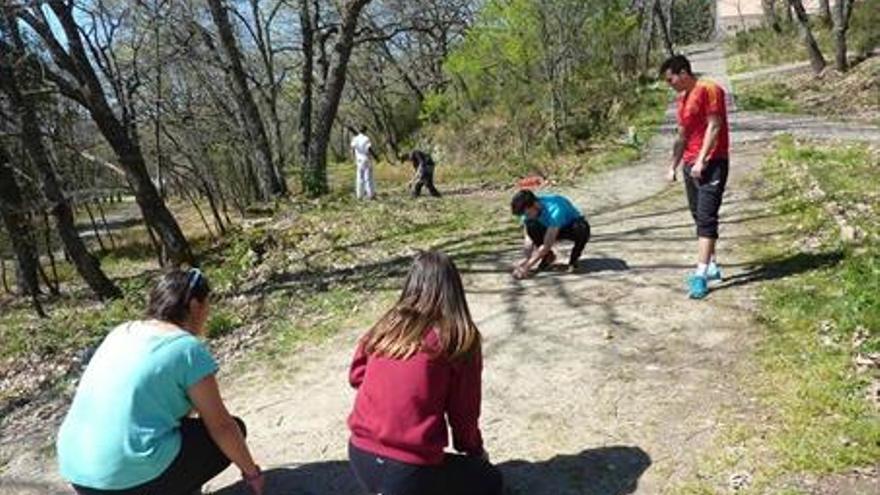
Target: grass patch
(773, 97)
(815, 418)
(848, 96)
(762, 47)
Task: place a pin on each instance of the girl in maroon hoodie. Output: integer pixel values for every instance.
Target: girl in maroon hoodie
(415, 370)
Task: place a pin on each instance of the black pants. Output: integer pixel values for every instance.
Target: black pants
(426, 178)
(577, 232)
(198, 461)
(704, 195)
(458, 475)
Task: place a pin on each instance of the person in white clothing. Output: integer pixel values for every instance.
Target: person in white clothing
(363, 152)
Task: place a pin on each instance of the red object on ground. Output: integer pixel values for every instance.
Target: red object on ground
(531, 182)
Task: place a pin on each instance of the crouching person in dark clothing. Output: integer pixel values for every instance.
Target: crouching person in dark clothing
(546, 219)
(424, 169)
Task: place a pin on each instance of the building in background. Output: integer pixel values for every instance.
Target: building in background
(739, 15)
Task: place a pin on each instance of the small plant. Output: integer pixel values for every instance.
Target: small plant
(222, 322)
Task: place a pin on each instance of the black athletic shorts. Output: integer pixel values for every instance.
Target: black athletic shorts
(704, 195)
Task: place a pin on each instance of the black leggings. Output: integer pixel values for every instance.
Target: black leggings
(198, 461)
(704, 195)
(426, 178)
(577, 232)
(458, 475)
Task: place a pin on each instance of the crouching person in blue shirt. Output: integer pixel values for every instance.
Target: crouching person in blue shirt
(546, 219)
(128, 431)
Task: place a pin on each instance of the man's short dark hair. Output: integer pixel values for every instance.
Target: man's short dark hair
(521, 201)
(676, 64)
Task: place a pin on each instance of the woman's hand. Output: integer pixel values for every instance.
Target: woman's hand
(255, 482)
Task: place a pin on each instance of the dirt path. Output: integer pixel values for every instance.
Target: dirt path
(595, 383)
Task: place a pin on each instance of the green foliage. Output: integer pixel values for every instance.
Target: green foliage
(70, 327)
(693, 21)
(223, 321)
(435, 107)
(238, 258)
(534, 79)
(864, 35)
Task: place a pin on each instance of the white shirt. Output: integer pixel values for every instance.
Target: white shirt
(361, 146)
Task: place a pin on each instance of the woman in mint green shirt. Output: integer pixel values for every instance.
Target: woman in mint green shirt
(128, 431)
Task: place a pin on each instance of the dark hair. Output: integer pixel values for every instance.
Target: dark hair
(676, 64)
(170, 298)
(522, 200)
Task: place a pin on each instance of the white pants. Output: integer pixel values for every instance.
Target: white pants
(364, 181)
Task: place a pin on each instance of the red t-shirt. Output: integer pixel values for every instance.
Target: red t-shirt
(694, 108)
(402, 405)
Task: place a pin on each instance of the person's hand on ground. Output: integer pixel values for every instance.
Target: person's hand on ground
(520, 272)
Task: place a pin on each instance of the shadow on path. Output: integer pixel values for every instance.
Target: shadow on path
(601, 471)
(784, 267)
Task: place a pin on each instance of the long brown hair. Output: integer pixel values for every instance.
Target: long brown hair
(432, 297)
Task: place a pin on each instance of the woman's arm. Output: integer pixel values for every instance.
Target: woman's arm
(358, 366)
(463, 409)
(205, 395)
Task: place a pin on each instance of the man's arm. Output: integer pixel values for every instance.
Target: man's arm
(677, 153)
(709, 139)
(538, 254)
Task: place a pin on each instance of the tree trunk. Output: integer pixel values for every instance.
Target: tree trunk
(107, 228)
(271, 183)
(3, 275)
(817, 61)
(120, 135)
(315, 173)
(94, 226)
(31, 136)
(646, 34)
(306, 79)
(20, 232)
(50, 252)
(770, 17)
(825, 12)
(664, 27)
(840, 16)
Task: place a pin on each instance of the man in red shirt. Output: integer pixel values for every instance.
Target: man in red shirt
(702, 146)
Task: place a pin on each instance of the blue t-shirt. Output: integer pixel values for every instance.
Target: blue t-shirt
(557, 211)
(122, 429)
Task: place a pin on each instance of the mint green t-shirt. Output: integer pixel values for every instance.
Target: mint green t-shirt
(122, 429)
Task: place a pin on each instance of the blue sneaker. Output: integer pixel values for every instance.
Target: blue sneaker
(698, 287)
(713, 272)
